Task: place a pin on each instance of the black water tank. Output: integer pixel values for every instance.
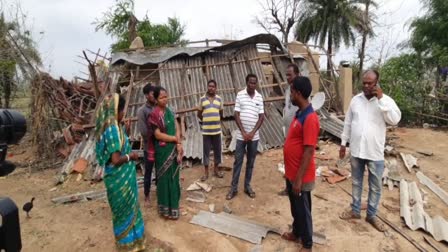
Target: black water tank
(12, 126)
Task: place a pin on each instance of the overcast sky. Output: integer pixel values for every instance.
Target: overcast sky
(67, 25)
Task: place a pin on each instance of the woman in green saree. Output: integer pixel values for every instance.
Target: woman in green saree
(113, 151)
(168, 155)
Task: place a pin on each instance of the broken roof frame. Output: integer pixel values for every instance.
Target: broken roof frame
(184, 72)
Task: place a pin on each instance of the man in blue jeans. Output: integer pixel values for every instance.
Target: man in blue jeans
(249, 116)
(365, 130)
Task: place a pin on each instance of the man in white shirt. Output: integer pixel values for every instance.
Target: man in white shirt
(289, 111)
(249, 115)
(365, 130)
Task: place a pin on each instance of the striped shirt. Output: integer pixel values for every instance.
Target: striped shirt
(211, 120)
(250, 109)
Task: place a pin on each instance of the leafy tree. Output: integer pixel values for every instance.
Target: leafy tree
(120, 22)
(18, 55)
(331, 22)
(430, 40)
(429, 32)
(406, 79)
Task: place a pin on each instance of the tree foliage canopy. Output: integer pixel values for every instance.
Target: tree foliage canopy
(117, 22)
(430, 32)
(408, 81)
(18, 56)
(330, 21)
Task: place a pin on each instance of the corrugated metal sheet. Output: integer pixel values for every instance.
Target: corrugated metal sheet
(159, 55)
(233, 225)
(330, 124)
(411, 209)
(185, 78)
(193, 144)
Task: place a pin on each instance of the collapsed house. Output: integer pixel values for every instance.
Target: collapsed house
(184, 72)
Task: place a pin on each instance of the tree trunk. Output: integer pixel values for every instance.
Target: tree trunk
(363, 44)
(132, 28)
(330, 52)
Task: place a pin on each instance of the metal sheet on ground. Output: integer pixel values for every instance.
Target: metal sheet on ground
(241, 228)
(411, 209)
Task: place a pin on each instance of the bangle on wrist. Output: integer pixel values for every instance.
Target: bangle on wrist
(127, 156)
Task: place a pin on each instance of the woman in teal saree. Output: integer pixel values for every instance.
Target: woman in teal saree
(168, 155)
(113, 151)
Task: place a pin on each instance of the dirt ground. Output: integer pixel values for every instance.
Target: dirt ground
(86, 226)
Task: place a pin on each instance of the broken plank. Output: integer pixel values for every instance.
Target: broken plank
(86, 196)
(433, 186)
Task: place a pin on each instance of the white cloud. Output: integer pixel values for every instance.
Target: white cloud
(68, 24)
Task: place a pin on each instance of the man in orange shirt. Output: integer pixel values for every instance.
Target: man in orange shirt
(300, 170)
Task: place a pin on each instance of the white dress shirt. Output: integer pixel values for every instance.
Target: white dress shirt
(289, 111)
(250, 109)
(365, 125)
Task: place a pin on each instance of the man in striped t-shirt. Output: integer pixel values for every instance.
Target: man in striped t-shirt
(249, 115)
(210, 111)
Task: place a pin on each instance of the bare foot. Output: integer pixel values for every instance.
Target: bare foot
(305, 250)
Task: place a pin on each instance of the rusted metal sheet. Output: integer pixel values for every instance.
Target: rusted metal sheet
(411, 209)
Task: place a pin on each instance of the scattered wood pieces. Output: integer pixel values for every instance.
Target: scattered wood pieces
(426, 153)
(320, 197)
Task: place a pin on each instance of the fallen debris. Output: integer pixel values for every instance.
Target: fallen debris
(409, 161)
(394, 227)
(241, 228)
(197, 197)
(211, 207)
(86, 196)
(281, 168)
(411, 209)
(206, 187)
(333, 175)
(320, 197)
(433, 186)
(335, 179)
(227, 209)
(194, 187)
(391, 208)
(391, 174)
(426, 153)
(234, 226)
